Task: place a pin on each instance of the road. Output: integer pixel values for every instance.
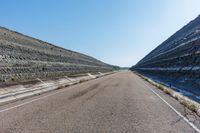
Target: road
(118, 103)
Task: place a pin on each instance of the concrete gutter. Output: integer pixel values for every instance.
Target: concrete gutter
(187, 102)
(19, 92)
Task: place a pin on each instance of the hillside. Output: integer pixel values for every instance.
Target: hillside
(176, 62)
(23, 57)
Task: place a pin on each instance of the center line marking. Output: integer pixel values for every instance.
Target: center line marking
(177, 112)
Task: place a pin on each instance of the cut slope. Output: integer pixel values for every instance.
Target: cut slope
(176, 61)
(23, 57)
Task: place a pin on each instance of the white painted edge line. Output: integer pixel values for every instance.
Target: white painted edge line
(31, 101)
(37, 99)
(177, 112)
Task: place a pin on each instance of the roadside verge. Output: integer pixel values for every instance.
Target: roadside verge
(187, 102)
(19, 92)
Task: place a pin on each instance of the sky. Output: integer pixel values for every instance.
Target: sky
(118, 32)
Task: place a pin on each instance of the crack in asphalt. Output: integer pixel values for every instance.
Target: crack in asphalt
(191, 116)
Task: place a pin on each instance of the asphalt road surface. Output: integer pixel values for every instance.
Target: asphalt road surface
(118, 103)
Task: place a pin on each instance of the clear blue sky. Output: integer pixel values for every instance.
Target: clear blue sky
(119, 32)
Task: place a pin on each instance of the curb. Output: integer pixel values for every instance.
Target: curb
(19, 92)
(187, 102)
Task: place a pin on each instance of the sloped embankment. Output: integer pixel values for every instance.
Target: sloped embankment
(23, 58)
(176, 62)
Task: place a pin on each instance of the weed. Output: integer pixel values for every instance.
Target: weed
(167, 91)
(160, 87)
(192, 107)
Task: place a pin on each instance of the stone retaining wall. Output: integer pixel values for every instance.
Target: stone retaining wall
(23, 57)
(176, 62)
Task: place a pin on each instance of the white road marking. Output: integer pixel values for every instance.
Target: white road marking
(37, 99)
(177, 112)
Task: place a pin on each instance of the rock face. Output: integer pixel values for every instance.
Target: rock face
(176, 62)
(23, 57)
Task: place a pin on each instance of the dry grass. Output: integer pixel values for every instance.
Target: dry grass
(190, 104)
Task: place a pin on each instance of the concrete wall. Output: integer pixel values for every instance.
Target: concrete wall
(176, 61)
(23, 57)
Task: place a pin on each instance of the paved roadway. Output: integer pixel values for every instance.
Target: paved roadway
(118, 103)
